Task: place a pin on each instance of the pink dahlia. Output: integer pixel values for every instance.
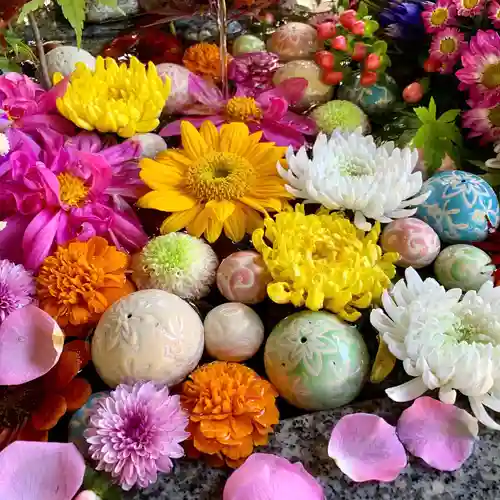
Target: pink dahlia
(483, 120)
(469, 8)
(17, 288)
(446, 46)
(135, 432)
(481, 66)
(438, 15)
(267, 112)
(83, 192)
(494, 13)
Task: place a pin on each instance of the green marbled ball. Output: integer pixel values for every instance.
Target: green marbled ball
(316, 361)
(248, 43)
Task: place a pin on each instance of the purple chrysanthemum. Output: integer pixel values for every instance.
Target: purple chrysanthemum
(17, 288)
(135, 432)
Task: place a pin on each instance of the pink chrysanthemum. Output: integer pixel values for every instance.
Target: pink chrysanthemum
(469, 8)
(17, 288)
(494, 13)
(483, 120)
(481, 66)
(135, 432)
(438, 15)
(447, 45)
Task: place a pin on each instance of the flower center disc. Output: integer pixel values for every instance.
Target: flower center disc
(352, 169)
(243, 109)
(470, 4)
(220, 176)
(494, 116)
(448, 45)
(491, 76)
(439, 16)
(72, 190)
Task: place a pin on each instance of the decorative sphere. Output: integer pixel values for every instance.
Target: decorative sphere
(64, 59)
(416, 242)
(375, 99)
(461, 207)
(179, 97)
(294, 41)
(463, 266)
(148, 335)
(233, 332)
(151, 144)
(243, 277)
(79, 422)
(316, 92)
(339, 114)
(316, 361)
(248, 43)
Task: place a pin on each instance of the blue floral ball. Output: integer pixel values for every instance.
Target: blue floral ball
(461, 207)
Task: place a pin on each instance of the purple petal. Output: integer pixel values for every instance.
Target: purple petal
(292, 89)
(282, 135)
(277, 109)
(40, 470)
(85, 141)
(441, 435)
(365, 448)
(126, 151)
(11, 238)
(174, 128)
(303, 124)
(205, 93)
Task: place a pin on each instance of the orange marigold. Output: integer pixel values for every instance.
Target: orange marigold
(81, 280)
(231, 410)
(203, 59)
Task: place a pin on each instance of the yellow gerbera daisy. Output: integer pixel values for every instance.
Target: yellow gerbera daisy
(217, 181)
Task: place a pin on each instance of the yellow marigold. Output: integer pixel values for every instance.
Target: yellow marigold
(323, 261)
(81, 280)
(121, 99)
(220, 180)
(203, 59)
(231, 410)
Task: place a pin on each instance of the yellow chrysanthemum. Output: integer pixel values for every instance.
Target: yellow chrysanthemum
(218, 181)
(121, 99)
(323, 261)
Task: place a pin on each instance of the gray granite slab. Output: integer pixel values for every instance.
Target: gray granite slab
(305, 439)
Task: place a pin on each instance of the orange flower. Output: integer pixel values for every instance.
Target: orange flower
(231, 410)
(81, 280)
(203, 59)
(29, 411)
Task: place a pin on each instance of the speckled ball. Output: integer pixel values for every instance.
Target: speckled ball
(316, 361)
(248, 43)
(64, 59)
(293, 41)
(461, 207)
(233, 332)
(243, 277)
(416, 242)
(463, 266)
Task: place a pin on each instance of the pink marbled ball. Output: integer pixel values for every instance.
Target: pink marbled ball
(243, 277)
(416, 242)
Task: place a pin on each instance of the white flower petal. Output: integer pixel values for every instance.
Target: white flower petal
(407, 391)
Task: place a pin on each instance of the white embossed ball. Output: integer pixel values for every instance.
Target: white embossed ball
(233, 332)
(148, 335)
(63, 60)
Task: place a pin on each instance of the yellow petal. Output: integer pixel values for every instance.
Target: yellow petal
(271, 187)
(166, 201)
(253, 220)
(384, 363)
(235, 224)
(179, 220)
(199, 224)
(253, 203)
(214, 228)
(174, 158)
(222, 209)
(210, 134)
(234, 138)
(192, 142)
(159, 176)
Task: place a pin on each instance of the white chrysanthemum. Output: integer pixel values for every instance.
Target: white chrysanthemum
(350, 172)
(4, 145)
(446, 341)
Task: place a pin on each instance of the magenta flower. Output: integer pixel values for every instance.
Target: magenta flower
(17, 288)
(469, 8)
(494, 13)
(438, 15)
(481, 66)
(446, 47)
(483, 120)
(267, 112)
(135, 432)
(82, 193)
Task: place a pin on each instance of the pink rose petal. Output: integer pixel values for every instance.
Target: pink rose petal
(365, 448)
(31, 343)
(440, 434)
(48, 471)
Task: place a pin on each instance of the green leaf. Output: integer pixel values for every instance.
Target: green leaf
(380, 47)
(74, 12)
(109, 3)
(8, 66)
(449, 116)
(432, 108)
(30, 7)
(370, 27)
(420, 137)
(423, 114)
(362, 10)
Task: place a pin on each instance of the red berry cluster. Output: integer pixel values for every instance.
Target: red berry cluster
(347, 47)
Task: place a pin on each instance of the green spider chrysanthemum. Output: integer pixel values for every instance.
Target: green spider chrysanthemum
(338, 114)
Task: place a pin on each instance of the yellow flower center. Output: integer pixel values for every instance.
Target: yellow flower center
(470, 4)
(494, 116)
(439, 16)
(491, 76)
(220, 176)
(72, 190)
(243, 109)
(447, 45)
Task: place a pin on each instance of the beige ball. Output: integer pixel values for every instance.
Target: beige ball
(63, 60)
(233, 332)
(148, 335)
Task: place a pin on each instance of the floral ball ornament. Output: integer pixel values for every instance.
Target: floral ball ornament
(460, 206)
(121, 99)
(294, 41)
(231, 410)
(310, 260)
(316, 361)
